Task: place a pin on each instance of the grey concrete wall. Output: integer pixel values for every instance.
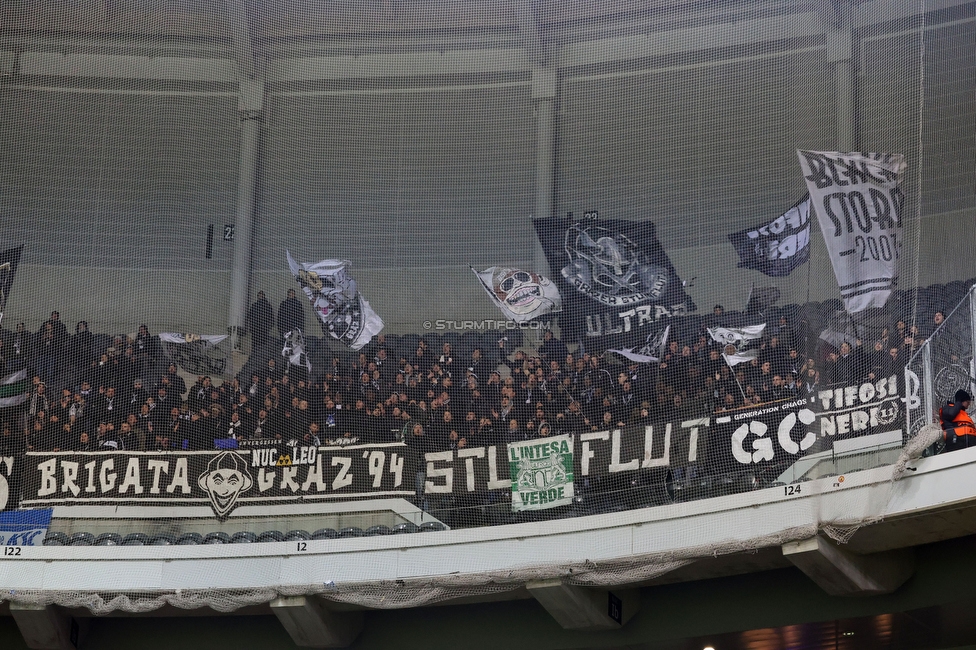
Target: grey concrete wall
(113, 187)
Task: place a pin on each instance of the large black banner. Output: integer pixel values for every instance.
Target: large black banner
(615, 279)
(767, 438)
(221, 479)
(778, 246)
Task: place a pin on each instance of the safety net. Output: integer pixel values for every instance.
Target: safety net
(296, 272)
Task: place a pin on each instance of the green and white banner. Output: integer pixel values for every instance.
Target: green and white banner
(542, 473)
(13, 389)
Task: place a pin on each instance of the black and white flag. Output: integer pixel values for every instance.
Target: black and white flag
(343, 312)
(615, 279)
(197, 354)
(9, 260)
(651, 352)
(859, 207)
(295, 350)
(520, 295)
(738, 343)
(778, 246)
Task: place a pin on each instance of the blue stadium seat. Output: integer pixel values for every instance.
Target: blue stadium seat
(163, 539)
(56, 539)
(243, 537)
(189, 539)
(81, 539)
(108, 539)
(271, 536)
(406, 527)
(135, 539)
(297, 535)
(325, 533)
(216, 537)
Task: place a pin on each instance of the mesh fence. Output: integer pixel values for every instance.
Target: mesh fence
(323, 273)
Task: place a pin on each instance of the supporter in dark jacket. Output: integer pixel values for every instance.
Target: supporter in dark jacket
(259, 321)
(291, 315)
(81, 347)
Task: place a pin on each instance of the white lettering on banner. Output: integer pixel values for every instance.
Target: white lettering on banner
(665, 459)
(434, 472)
(106, 475)
(7, 461)
(912, 387)
(763, 446)
(157, 467)
(181, 478)
(288, 475)
(375, 461)
(396, 468)
(588, 453)
(631, 319)
(343, 476)
(845, 410)
(469, 455)
(266, 480)
(858, 205)
(615, 464)
(25, 538)
(131, 479)
(271, 456)
(314, 477)
(495, 483)
(49, 481)
(90, 474)
(69, 478)
(694, 425)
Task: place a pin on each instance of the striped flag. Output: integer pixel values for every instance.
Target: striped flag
(13, 389)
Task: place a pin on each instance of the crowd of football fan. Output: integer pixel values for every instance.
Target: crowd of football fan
(127, 396)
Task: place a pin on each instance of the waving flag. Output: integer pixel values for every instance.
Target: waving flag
(859, 208)
(778, 246)
(615, 279)
(520, 295)
(652, 350)
(13, 389)
(343, 312)
(197, 354)
(295, 351)
(737, 342)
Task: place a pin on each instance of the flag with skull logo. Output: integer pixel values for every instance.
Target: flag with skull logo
(520, 295)
(615, 279)
(343, 312)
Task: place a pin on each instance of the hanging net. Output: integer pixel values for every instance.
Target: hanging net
(300, 272)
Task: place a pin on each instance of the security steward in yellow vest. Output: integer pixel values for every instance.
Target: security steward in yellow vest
(958, 428)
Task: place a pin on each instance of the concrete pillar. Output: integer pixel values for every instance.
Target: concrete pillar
(581, 608)
(252, 114)
(45, 627)
(842, 573)
(544, 97)
(311, 625)
(251, 110)
(840, 42)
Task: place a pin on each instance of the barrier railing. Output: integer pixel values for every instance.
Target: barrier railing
(942, 365)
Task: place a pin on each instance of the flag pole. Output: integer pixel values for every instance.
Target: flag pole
(732, 368)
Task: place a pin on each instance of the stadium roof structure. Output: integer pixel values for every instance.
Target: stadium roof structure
(865, 541)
